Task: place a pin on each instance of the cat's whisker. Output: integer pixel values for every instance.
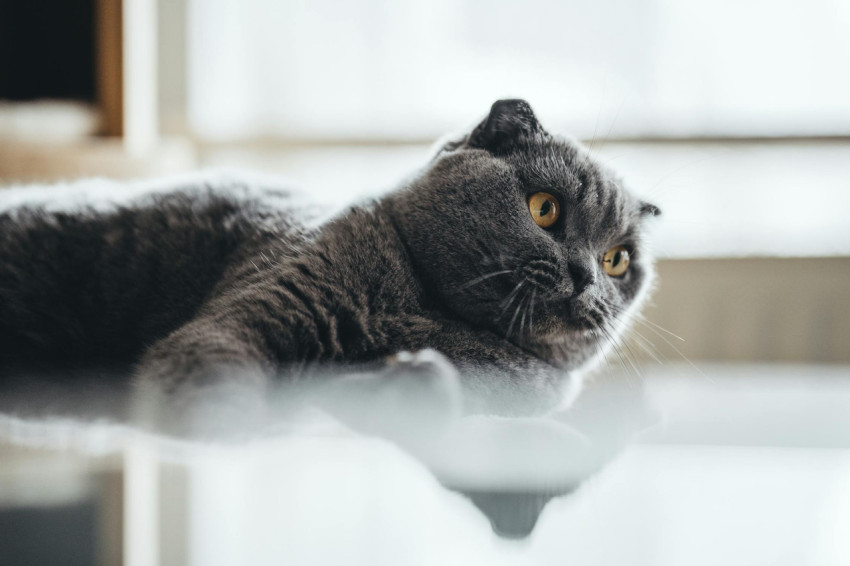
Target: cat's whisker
(648, 347)
(480, 279)
(631, 358)
(653, 190)
(645, 344)
(619, 315)
(610, 361)
(620, 353)
(611, 126)
(516, 313)
(529, 309)
(642, 318)
(630, 355)
(639, 338)
(678, 351)
(613, 348)
(619, 347)
(639, 319)
(522, 319)
(598, 114)
(522, 306)
(489, 257)
(510, 298)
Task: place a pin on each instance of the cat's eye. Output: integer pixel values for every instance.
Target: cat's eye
(544, 209)
(615, 262)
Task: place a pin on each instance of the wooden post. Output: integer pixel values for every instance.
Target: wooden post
(127, 72)
(110, 74)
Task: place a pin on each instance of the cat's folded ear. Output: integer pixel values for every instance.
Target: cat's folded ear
(508, 121)
(647, 209)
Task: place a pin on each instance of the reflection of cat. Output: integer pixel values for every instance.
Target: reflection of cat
(513, 254)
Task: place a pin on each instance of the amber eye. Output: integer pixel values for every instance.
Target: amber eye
(616, 261)
(544, 209)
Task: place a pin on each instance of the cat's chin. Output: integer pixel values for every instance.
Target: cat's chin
(566, 347)
(568, 334)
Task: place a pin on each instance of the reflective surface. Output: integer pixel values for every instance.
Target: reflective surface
(734, 465)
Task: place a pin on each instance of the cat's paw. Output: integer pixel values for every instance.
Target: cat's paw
(414, 399)
(211, 401)
(425, 380)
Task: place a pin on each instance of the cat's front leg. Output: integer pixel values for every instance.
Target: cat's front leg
(204, 379)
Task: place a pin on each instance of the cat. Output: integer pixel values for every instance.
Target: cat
(513, 258)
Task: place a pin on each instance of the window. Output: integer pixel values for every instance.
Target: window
(331, 69)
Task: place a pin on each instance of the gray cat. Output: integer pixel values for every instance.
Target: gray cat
(513, 254)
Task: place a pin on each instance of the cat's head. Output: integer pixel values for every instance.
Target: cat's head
(523, 233)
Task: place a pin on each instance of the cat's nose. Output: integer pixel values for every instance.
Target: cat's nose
(582, 274)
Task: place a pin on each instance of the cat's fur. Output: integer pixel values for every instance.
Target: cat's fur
(203, 283)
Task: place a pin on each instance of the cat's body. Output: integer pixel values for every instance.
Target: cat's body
(203, 283)
(98, 282)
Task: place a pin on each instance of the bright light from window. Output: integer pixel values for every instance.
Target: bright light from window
(332, 69)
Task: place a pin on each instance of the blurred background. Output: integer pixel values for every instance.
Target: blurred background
(734, 117)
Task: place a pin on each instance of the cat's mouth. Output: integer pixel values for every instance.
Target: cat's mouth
(576, 314)
(562, 349)
(571, 331)
(567, 331)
